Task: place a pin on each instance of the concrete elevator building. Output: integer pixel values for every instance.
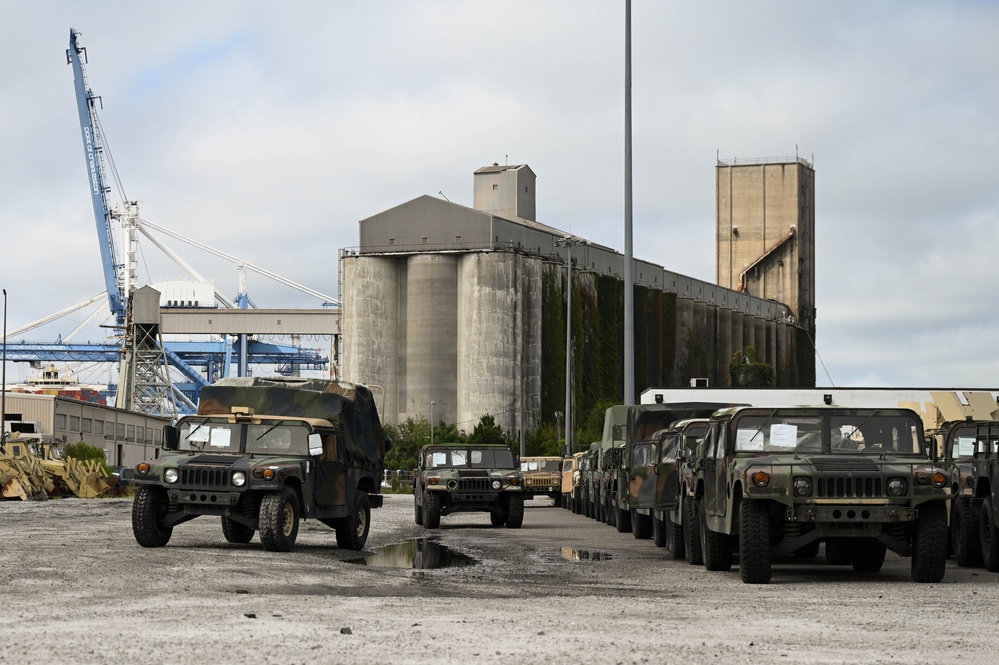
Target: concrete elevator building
(462, 306)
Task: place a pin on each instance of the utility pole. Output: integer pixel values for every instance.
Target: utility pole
(569, 242)
(629, 261)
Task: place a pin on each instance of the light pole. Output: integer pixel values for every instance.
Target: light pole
(3, 393)
(431, 422)
(558, 428)
(568, 242)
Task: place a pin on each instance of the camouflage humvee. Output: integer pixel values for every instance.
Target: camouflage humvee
(984, 502)
(542, 476)
(774, 481)
(262, 454)
(955, 442)
(459, 477)
(674, 448)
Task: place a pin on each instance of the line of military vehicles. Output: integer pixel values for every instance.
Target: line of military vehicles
(713, 483)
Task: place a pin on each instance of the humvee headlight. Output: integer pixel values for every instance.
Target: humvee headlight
(802, 486)
(239, 478)
(497, 484)
(939, 479)
(452, 484)
(512, 479)
(432, 480)
(268, 474)
(761, 478)
(897, 487)
(171, 476)
(142, 468)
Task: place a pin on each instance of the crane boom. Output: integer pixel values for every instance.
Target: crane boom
(93, 153)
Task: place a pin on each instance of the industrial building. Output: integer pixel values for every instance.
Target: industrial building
(455, 310)
(126, 437)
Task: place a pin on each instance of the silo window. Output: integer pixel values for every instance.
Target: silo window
(424, 240)
(457, 238)
(495, 187)
(391, 241)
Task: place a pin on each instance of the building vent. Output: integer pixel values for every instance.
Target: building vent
(699, 383)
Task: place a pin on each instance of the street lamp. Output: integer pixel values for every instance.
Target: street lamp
(568, 242)
(431, 422)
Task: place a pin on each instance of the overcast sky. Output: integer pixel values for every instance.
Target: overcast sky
(268, 130)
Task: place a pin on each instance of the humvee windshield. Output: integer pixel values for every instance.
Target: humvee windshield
(477, 459)
(963, 442)
(276, 437)
(838, 434)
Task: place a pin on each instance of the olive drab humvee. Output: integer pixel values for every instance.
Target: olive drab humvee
(777, 481)
(467, 477)
(956, 442)
(674, 449)
(263, 453)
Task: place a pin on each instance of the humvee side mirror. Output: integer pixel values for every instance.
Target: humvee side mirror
(315, 444)
(171, 437)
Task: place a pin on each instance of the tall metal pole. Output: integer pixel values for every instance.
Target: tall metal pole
(431, 422)
(629, 267)
(3, 394)
(568, 347)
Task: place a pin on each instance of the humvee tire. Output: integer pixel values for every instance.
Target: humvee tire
(692, 533)
(659, 533)
(754, 542)
(989, 536)
(148, 509)
(431, 510)
(677, 541)
(965, 538)
(279, 513)
(352, 531)
(515, 511)
(418, 512)
(641, 525)
(929, 543)
(716, 548)
(497, 518)
(235, 532)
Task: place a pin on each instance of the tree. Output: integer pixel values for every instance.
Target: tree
(747, 372)
(487, 431)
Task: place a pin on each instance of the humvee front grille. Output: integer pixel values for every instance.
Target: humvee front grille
(540, 482)
(473, 484)
(207, 477)
(849, 488)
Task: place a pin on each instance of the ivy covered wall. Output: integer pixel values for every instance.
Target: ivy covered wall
(667, 354)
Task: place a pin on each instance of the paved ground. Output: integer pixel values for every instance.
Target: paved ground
(562, 589)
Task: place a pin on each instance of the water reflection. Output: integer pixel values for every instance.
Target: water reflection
(416, 553)
(574, 554)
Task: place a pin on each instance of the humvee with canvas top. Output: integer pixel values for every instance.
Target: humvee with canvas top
(542, 477)
(773, 481)
(261, 454)
(673, 449)
(459, 477)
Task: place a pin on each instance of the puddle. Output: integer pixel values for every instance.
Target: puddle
(573, 554)
(416, 553)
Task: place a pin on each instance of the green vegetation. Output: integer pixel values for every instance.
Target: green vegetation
(747, 372)
(84, 452)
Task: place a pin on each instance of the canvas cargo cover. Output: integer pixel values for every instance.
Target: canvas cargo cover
(347, 405)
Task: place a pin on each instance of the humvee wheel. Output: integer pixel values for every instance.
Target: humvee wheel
(677, 544)
(279, 520)
(149, 508)
(497, 518)
(989, 535)
(716, 548)
(659, 533)
(964, 536)
(352, 531)
(929, 543)
(418, 509)
(691, 532)
(235, 532)
(868, 555)
(754, 542)
(622, 519)
(641, 525)
(515, 511)
(431, 510)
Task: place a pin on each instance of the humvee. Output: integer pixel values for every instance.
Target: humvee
(674, 448)
(542, 477)
(984, 502)
(459, 477)
(773, 481)
(261, 454)
(955, 443)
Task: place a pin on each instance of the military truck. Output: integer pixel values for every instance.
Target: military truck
(984, 503)
(542, 477)
(261, 454)
(673, 449)
(570, 482)
(955, 442)
(458, 477)
(631, 479)
(773, 481)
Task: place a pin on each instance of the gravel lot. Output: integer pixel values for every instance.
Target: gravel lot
(77, 588)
